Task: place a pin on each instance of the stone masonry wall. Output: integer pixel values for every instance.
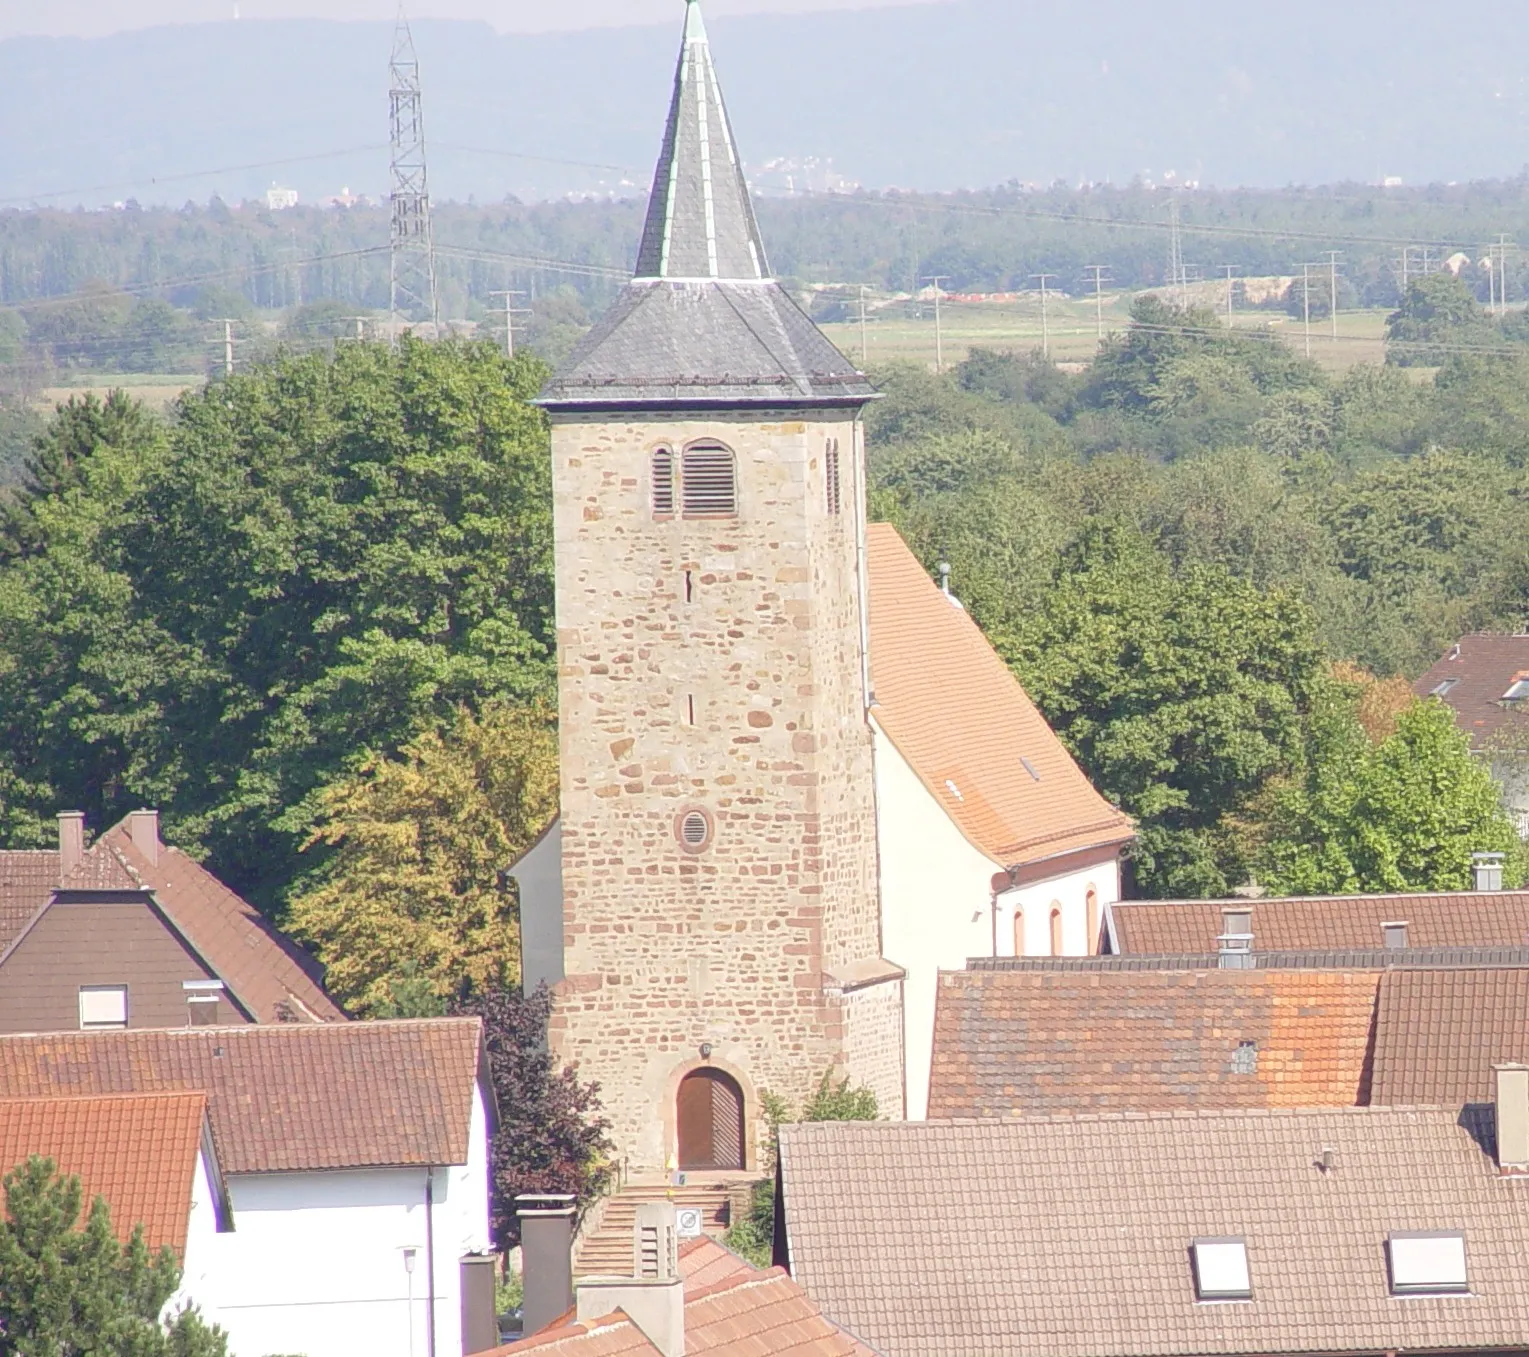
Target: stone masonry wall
(668, 950)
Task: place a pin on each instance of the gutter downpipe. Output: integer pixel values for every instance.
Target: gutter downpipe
(430, 1262)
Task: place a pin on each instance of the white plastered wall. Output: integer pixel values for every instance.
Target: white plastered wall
(937, 904)
(315, 1263)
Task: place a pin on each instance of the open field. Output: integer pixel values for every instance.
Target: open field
(156, 390)
(907, 333)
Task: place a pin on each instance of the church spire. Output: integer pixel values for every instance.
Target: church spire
(700, 220)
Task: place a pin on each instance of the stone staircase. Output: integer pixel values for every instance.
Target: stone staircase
(607, 1249)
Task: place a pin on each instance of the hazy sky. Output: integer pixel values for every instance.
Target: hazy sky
(92, 18)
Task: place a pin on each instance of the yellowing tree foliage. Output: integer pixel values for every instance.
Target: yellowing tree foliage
(417, 887)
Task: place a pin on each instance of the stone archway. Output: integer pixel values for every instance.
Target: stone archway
(709, 1121)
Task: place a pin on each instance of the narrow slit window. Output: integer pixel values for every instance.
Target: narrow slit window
(690, 586)
(690, 709)
(709, 482)
(831, 462)
(663, 484)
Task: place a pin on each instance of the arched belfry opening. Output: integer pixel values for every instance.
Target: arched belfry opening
(709, 1121)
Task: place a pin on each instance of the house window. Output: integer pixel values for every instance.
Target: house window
(103, 1006)
(831, 461)
(1518, 691)
(1443, 689)
(709, 481)
(1095, 942)
(1019, 932)
(1221, 1269)
(1427, 1263)
(1056, 929)
(1394, 936)
(663, 483)
(203, 1006)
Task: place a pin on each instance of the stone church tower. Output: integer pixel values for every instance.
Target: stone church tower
(721, 923)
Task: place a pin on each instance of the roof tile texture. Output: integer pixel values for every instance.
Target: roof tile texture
(1071, 1237)
(969, 723)
(27, 880)
(1036, 1042)
(1191, 927)
(1484, 666)
(1438, 1034)
(139, 1153)
(282, 1098)
(265, 971)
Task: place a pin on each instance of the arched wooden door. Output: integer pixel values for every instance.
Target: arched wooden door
(710, 1121)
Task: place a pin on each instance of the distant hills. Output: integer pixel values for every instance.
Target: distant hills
(935, 97)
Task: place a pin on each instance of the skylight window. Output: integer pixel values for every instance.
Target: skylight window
(1428, 1263)
(1245, 1058)
(1444, 689)
(1221, 1269)
(1518, 691)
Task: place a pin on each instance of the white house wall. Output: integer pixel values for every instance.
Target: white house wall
(201, 1245)
(936, 902)
(315, 1263)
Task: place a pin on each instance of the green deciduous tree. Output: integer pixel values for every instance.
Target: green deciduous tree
(414, 898)
(1439, 313)
(71, 1290)
(1401, 813)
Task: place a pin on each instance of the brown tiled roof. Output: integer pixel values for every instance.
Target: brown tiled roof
(1438, 1034)
(1325, 923)
(103, 868)
(138, 1152)
(267, 973)
(704, 1262)
(27, 880)
(748, 1314)
(1071, 1237)
(959, 717)
(283, 1097)
(1039, 1042)
(1484, 665)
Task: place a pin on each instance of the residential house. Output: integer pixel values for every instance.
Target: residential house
(1257, 1232)
(354, 1158)
(760, 860)
(1484, 679)
(679, 1298)
(132, 933)
(1128, 1034)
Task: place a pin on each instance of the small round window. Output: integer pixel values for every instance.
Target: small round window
(694, 830)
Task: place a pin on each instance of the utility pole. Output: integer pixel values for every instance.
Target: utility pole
(412, 241)
(1044, 279)
(1230, 271)
(1502, 274)
(1306, 303)
(939, 280)
(228, 346)
(510, 312)
(1178, 279)
(1099, 270)
(1332, 285)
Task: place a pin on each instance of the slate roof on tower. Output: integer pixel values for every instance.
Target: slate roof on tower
(703, 323)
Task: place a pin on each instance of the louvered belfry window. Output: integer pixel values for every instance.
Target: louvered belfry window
(709, 481)
(663, 483)
(831, 459)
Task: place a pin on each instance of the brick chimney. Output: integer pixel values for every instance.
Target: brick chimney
(653, 1297)
(1486, 868)
(1512, 1119)
(71, 841)
(546, 1252)
(143, 829)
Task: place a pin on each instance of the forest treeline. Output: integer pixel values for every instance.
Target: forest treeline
(309, 614)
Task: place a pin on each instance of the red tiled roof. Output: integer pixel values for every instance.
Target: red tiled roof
(1483, 666)
(1038, 1042)
(27, 879)
(284, 1097)
(265, 971)
(960, 718)
(1438, 1034)
(704, 1262)
(138, 1152)
(1324, 923)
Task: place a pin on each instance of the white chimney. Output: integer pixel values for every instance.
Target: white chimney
(1486, 868)
(71, 841)
(653, 1297)
(1512, 1119)
(143, 829)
